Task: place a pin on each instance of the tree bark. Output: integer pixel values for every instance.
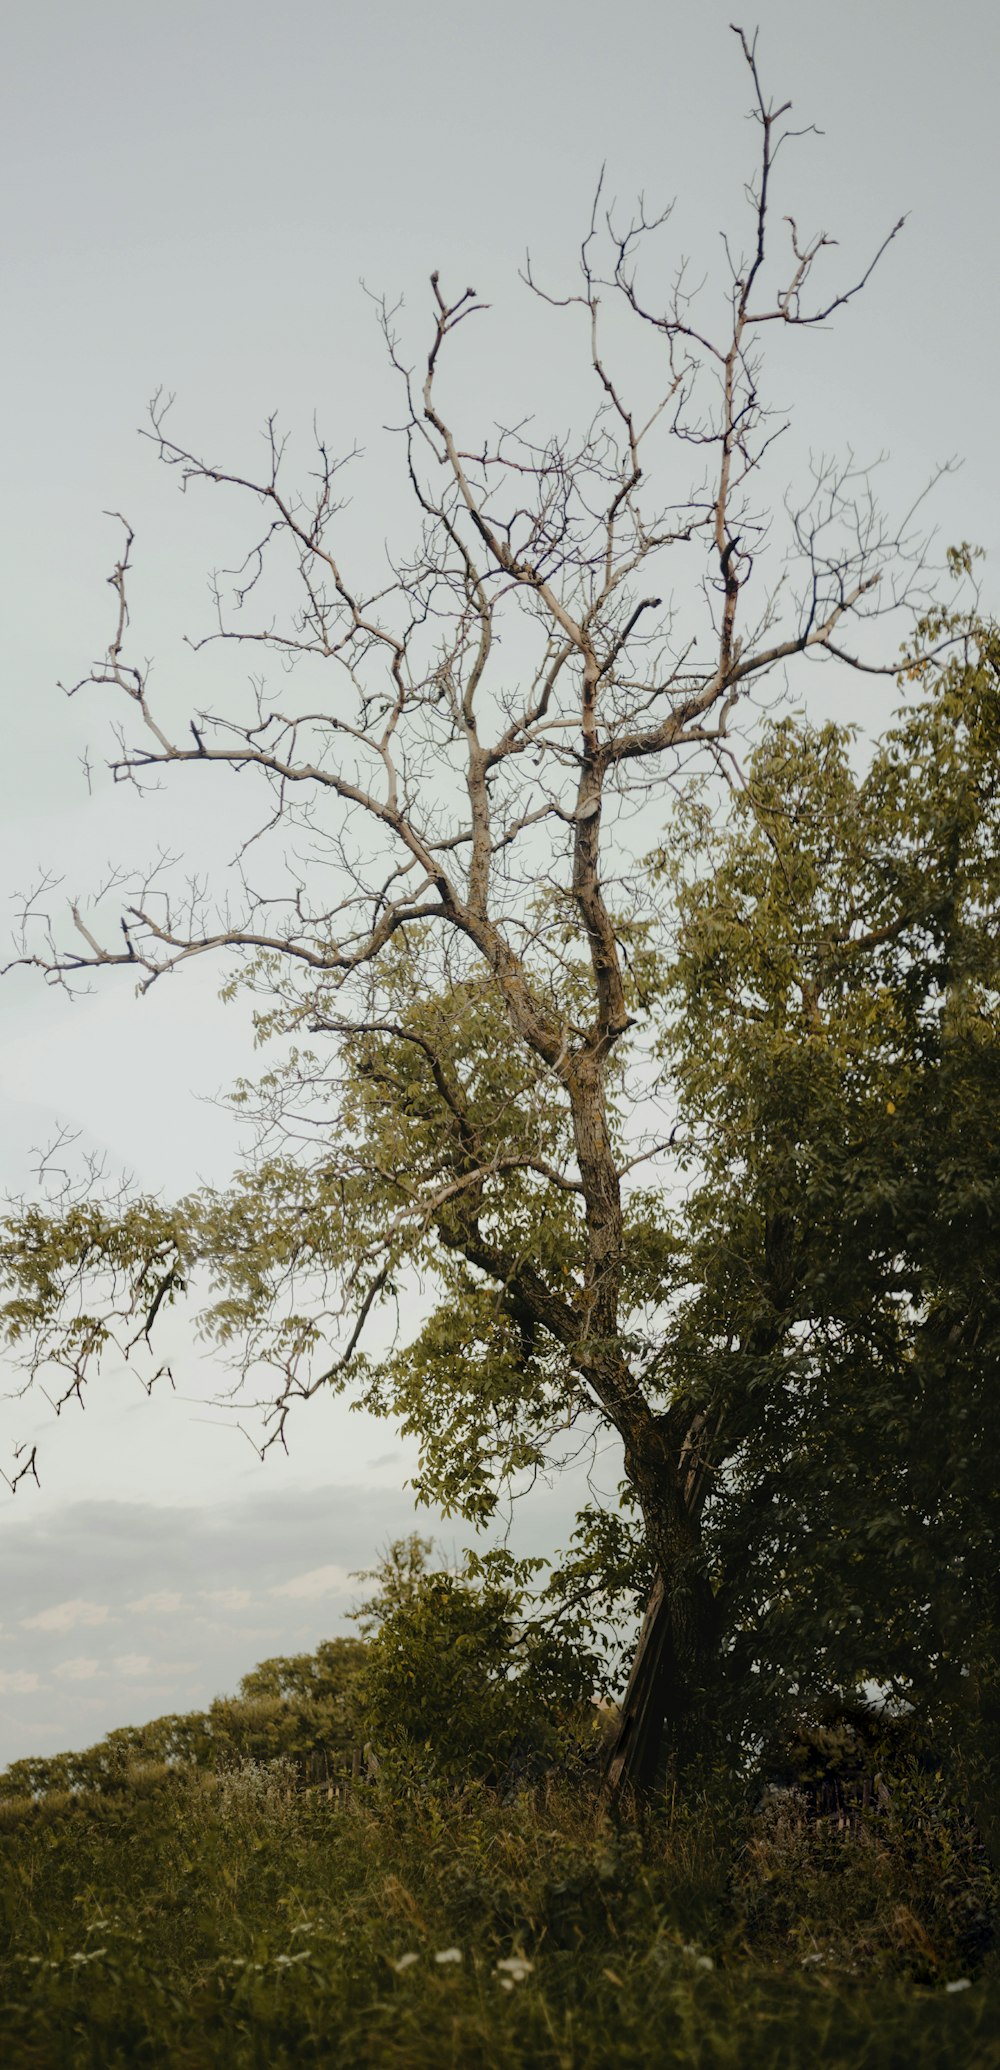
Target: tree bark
(666, 1711)
(635, 1755)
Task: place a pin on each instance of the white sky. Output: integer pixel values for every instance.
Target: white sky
(190, 198)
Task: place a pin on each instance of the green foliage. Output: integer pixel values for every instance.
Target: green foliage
(460, 1681)
(834, 1044)
(304, 1711)
(237, 1921)
(891, 1893)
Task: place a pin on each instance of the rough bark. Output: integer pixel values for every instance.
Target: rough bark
(634, 1760)
(666, 1715)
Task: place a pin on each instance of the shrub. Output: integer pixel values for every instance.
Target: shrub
(459, 1682)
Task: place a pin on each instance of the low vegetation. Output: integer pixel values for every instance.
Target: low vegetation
(251, 1886)
(189, 1918)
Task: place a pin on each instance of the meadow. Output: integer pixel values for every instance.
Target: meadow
(178, 1916)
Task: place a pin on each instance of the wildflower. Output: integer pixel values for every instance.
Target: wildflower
(512, 1970)
(700, 1961)
(959, 1984)
(446, 1955)
(405, 1962)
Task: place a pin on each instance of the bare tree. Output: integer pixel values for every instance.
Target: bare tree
(465, 747)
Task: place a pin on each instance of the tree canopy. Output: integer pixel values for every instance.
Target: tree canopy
(834, 1037)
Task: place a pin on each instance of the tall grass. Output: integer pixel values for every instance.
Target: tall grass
(238, 1920)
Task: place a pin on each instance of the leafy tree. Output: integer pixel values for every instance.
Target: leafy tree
(833, 1036)
(304, 1709)
(468, 994)
(460, 1680)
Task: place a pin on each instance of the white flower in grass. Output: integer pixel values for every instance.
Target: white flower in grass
(700, 1961)
(405, 1962)
(512, 1970)
(959, 1984)
(447, 1955)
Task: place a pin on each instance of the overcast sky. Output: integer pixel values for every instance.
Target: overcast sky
(191, 198)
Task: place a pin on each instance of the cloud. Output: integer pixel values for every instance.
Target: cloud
(80, 1669)
(133, 1663)
(126, 1561)
(17, 1682)
(66, 1617)
(319, 1581)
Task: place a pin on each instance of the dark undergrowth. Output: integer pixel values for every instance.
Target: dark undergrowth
(239, 1920)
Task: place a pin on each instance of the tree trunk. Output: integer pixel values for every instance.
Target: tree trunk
(635, 1756)
(666, 1708)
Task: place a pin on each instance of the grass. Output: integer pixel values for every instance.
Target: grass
(237, 1920)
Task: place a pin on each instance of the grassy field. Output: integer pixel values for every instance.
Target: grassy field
(239, 1920)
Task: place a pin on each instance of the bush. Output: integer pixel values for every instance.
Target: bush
(459, 1683)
